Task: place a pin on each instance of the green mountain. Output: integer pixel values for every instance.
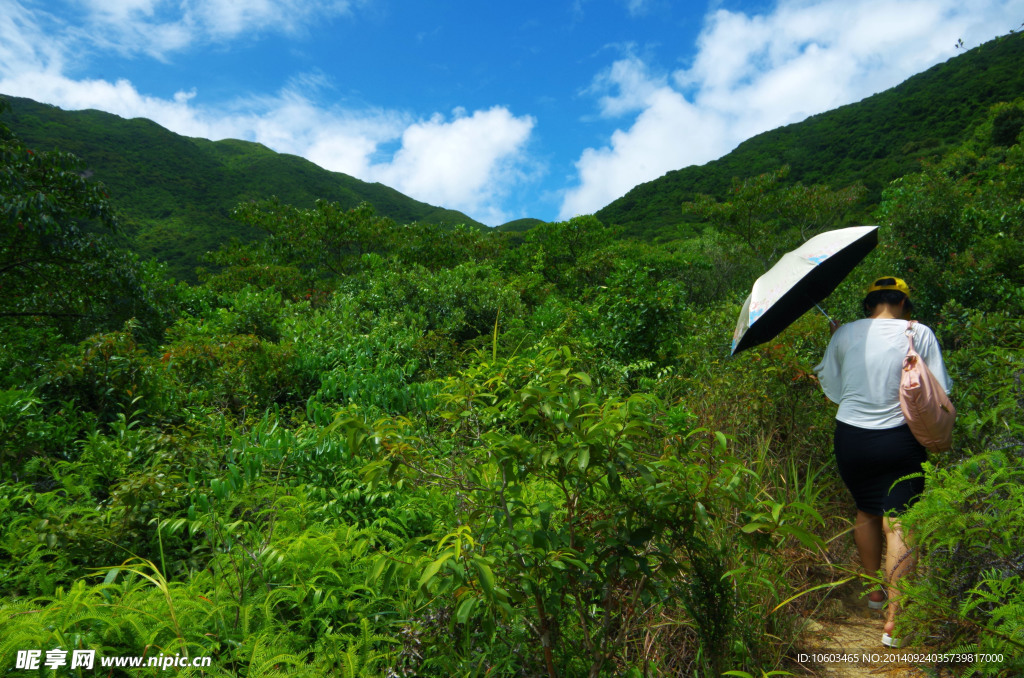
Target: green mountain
(175, 193)
(873, 141)
(519, 225)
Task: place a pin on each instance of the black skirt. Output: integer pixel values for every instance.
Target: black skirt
(872, 460)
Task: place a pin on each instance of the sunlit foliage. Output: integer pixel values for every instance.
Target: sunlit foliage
(365, 448)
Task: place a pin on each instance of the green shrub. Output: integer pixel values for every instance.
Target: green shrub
(288, 281)
(22, 430)
(953, 229)
(635, 318)
(235, 372)
(573, 513)
(566, 253)
(967, 592)
(463, 302)
(110, 374)
(356, 357)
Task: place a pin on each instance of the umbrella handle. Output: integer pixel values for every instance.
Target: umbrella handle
(832, 324)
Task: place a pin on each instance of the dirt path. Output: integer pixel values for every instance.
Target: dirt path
(847, 643)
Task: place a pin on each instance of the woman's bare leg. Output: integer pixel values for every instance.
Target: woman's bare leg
(898, 562)
(867, 533)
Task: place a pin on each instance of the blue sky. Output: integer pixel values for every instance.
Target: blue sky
(501, 110)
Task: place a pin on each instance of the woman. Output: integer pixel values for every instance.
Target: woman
(873, 444)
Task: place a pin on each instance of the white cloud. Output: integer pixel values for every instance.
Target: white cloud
(753, 73)
(228, 18)
(24, 45)
(750, 73)
(625, 87)
(160, 27)
(46, 83)
(638, 7)
(466, 163)
(665, 136)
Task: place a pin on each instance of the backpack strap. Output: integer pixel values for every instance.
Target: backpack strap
(910, 332)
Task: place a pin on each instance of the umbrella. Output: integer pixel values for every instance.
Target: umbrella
(800, 280)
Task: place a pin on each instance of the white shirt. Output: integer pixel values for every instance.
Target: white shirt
(862, 367)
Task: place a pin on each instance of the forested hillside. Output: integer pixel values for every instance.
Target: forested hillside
(871, 142)
(175, 193)
(364, 447)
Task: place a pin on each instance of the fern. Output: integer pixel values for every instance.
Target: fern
(263, 659)
(968, 589)
(359, 656)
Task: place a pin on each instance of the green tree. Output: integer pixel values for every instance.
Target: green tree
(60, 260)
(561, 250)
(954, 229)
(435, 246)
(307, 251)
(1006, 125)
(768, 217)
(325, 242)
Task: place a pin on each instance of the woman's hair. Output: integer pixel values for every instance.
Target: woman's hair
(890, 297)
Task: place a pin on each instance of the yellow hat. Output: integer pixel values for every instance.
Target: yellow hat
(889, 283)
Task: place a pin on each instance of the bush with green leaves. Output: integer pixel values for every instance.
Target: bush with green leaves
(574, 517)
(967, 594)
(953, 229)
(986, 353)
(22, 430)
(769, 217)
(212, 367)
(111, 375)
(288, 281)
(710, 268)
(566, 253)
(434, 246)
(462, 303)
(635, 317)
(294, 622)
(327, 241)
(349, 355)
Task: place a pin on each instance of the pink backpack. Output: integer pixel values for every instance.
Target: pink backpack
(925, 405)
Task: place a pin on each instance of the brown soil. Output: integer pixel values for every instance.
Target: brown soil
(849, 629)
